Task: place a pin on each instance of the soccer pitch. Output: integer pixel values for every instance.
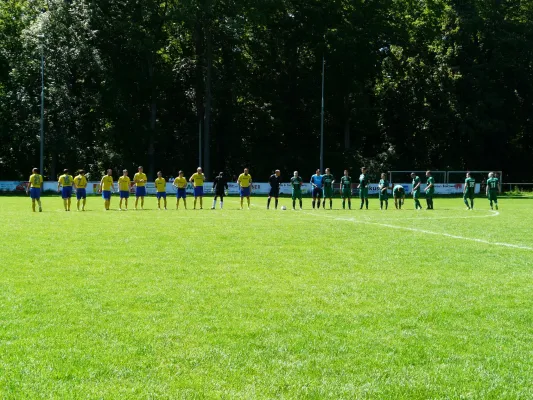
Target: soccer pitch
(266, 304)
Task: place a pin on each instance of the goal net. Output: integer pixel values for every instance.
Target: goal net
(405, 176)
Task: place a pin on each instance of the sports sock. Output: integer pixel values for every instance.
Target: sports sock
(344, 204)
(276, 201)
(313, 204)
(472, 203)
(362, 204)
(221, 204)
(466, 202)
(268, 202)
(381, 204)
(300, 203)
(366, 202)
(214, 202)
(349, 204)
(330, 203)
(386, 204)
(294, 204)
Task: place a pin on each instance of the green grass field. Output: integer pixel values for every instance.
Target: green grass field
(260, 304)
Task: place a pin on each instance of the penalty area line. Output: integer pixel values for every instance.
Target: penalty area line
(424, 231)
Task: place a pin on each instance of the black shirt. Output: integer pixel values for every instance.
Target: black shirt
(274, 181)
(220, 183)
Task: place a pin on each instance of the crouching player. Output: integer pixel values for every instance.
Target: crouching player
(161, 190)
(469, 190)
(35, 185)
(384, 187)
(124, 184)
(80, 184)
(399, 196)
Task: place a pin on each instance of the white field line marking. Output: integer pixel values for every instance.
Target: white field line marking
(448, 235)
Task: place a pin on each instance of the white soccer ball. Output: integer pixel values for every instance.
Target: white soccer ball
(283, 208)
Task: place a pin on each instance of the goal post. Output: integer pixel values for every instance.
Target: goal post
(405, 176)
(479, 176)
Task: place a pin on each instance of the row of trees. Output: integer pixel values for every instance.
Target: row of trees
(410, 84)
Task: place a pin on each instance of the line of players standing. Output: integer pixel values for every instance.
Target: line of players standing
(322, 185)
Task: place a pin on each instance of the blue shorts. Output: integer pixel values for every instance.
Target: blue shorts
(124, 194)
(245, 191)
(198, 191)
(181, 193)
(161, 194)
(140, 191)
(317, 192)
(35, 193)
(81, 194)
(66, 192)
(106, 194)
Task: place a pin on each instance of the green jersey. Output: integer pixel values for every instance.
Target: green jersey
(431, 181)
(363, 182)
(327, 180)
(383, 183)
(398, 191)
(346, 182)
(470, 185)
(416, 181)
(296, 183)
(492, 184)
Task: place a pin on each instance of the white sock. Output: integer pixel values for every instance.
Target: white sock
(214, 203)
(221, 205)
(39, 202)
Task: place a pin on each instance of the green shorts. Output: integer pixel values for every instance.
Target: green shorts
(328, 192)
(363, 193)
(383, 196)
(416, 194)
(297, 195)
(468, 195)
(346, 193)
(492, 195)
(430, 193)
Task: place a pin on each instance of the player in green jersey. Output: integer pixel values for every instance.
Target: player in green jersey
(430, 190)
(384, 187)
(399, 196)
(346, 190)
(415, 191)
(493, 188)
(469, 190)
(363, 188)
(328, 180)
(296, 184)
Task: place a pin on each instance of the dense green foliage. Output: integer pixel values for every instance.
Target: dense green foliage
(442, 84)
(259, 304)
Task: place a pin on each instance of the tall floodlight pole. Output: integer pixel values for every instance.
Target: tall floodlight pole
(322, 118)
(41, 165)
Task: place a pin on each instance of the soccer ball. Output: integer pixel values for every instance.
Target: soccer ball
(283, 208)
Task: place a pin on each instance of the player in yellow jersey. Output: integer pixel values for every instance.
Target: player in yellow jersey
(197, 180)
(139, 179)
(80, 184)
(161, 190)
(124, 184)
(245, 183)
(180, 183)
(35, 185)
(64, 186)
(106, 187)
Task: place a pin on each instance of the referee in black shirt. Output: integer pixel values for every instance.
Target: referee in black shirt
(275, 182)
(220, 184)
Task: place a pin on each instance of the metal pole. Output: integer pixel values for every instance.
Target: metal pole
(42, 111)
(322, 120)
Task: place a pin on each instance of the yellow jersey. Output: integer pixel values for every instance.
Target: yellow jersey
(181, 183)
(245, 180)
(65, 180)
(36, 181)
(161, 185)
(124, 183)
(107, 182)
(80, 181)
(138, 177)
(198, 179)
